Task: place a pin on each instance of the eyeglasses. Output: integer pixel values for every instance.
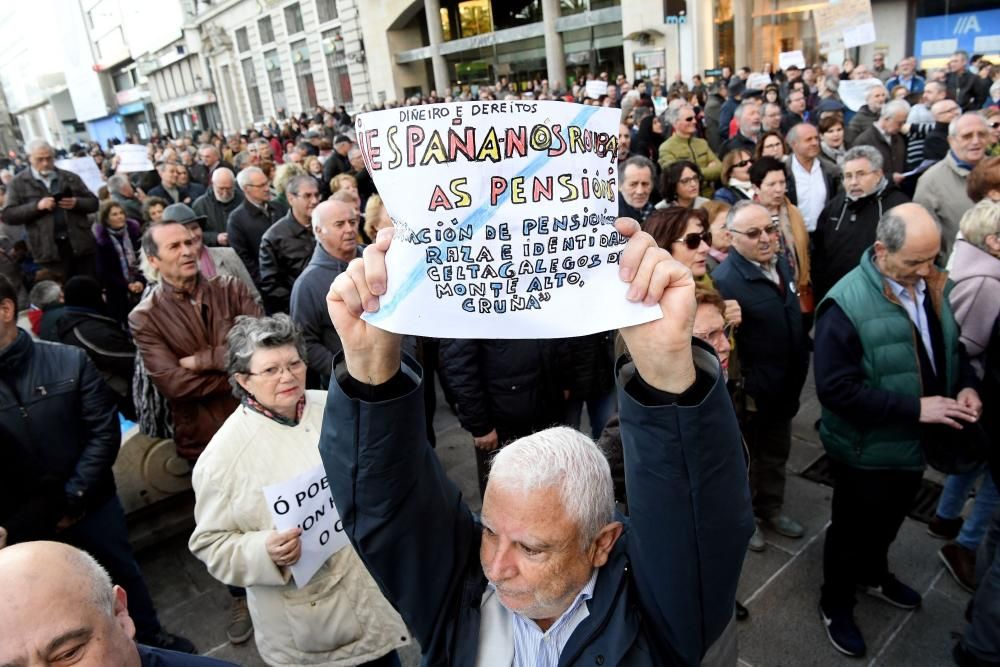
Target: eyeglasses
(693, 241)
(256, 185)
(688, 180)
(743, 163)
(306, 195)
(995, 125)
(272, 373)
(687, 118)
(754, 234)
(708, 336)
(857, 175)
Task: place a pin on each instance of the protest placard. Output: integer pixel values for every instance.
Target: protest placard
(504, 216)
(789, 58)
(843, 24)
(853, 92)
(86, 169)
(660, 105)
(132, 158)
(758, 81)
(596, 88)
(305, 502)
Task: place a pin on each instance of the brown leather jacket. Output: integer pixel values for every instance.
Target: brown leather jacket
(170, 324)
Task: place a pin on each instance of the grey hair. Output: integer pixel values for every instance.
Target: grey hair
(35, 144)
(832, 83)
(962, 53)
(116, 183)
(45, 293)
(891, 230)
(640, 162)
(953, 125)
(250, 334)
(865, 152)
(211, 147)
(740, 110)
(890, 109)
(739, 207)
(296, 182)
(980, 221)
(564, 459)
(222, 171)
(673, 113)
(244, 176)
(793, 133)
(875, 88)
(102, 590)
(937, 85)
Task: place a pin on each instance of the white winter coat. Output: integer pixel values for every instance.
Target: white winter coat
(340, 617)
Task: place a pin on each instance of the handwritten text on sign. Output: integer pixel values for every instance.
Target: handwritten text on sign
(305, 502)
(504, 216)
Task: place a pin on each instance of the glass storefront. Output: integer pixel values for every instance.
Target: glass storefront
(772, 27)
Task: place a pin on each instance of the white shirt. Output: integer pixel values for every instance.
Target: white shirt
(810, 189)
(915, 309)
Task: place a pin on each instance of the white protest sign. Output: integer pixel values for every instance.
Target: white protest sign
(86, 169)
(132, 158)
(596, 88)
(660, 105)
(758, 81)
(859, 35)
(840, 21)
(504, 216)
(305, 502)
(853, 91)
(789, 58)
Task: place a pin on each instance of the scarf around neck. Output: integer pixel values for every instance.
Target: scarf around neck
(127, 260)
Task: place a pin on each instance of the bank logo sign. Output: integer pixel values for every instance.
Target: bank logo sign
(937, 37)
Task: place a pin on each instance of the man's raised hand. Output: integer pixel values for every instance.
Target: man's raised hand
(372, 355)
(661, 349)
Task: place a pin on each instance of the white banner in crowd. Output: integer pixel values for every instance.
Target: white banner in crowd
(853, 92)
(305, 502)
(86, 169)
(596, 88)
(789, 58)
(133, 158)
(504, 216)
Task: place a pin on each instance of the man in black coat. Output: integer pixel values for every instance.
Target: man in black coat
(771, 344)
(216, 205)
(248, 221)
(964, 87)
(169, 188)
(53, 205)
(336, 231)
(287, 246)
(60, 419)
(885, 136)
(846, 227)
(337, 162)
(503, 390)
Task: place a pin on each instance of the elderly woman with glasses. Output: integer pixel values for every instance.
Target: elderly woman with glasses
(339, 617)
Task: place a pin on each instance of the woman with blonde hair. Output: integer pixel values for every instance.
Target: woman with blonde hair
(376, 217)
(282, 175)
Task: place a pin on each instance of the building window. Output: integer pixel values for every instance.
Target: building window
(253, 90)
(326, 10)
(266, 30)
(123, 80)
(336, 67)
(446, 24)
(273, 66)
(303, 74)
(293, 19)
(242, 40)
(474, 17)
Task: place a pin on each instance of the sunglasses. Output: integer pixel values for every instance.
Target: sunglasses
(995, 125)
(693, 241)
(743, 163)
(754, 234)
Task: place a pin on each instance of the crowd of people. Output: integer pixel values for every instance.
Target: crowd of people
(215, 300)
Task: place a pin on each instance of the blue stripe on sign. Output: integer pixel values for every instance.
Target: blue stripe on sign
(477, 219)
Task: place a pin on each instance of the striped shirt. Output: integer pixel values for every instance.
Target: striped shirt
(534, 648)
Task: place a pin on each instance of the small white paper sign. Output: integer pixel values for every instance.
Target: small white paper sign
(758, 81)
(504, 216)
(859, 35)
(789, 58)
(133, 158)
(305, 502)
(86, 169)
(853, 91)
(596, 88)
(660, 105)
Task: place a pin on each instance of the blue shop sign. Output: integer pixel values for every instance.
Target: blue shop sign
(129, 109)
(974, 32)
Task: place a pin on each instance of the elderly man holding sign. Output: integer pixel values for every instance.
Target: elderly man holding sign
(561, 578)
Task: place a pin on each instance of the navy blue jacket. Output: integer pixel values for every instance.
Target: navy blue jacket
(668, 589)
(157, 657)
(771, 342)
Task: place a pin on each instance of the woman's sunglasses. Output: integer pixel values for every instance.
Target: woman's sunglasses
(693, 241)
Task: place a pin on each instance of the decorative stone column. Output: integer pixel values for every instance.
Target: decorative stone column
(442, 81)
(555, 57)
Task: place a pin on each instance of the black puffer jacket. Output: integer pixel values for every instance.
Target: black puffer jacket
(508, 385)
(59, 416)
(587, 365)
(844, 231)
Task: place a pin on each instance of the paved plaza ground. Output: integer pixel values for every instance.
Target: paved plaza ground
(780, 586)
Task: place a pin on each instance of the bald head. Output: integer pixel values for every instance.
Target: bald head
(907, 243)
(335, 224)
(945, 111)
(58, 600)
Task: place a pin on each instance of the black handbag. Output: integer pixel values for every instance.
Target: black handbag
(955, 451)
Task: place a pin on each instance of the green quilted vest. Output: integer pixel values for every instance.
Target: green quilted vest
(890, 363)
